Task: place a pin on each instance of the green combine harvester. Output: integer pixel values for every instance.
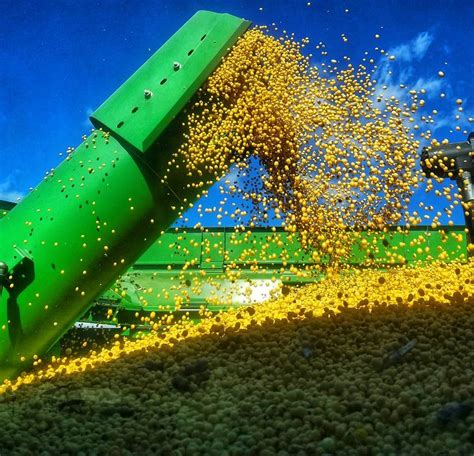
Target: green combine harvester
(99, 216)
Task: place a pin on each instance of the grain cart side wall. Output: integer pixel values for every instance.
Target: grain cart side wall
(69, 239)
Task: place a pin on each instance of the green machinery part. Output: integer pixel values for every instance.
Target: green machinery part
(171, 270)
(65, 243)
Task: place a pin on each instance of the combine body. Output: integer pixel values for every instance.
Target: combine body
(159, 280)
(66, 242)
(185, 269)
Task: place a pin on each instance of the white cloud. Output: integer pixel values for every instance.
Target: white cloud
(414, 49)
(421, 44)
(388, 84)
(232, 177)
(87, 123)
(402, 52)
(432, 86)
(441, 122)
(396, 78)
(465, 122)
(8, 191)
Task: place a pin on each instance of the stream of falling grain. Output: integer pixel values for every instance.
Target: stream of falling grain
(333, 162)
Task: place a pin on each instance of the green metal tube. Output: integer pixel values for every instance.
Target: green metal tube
(69, 238)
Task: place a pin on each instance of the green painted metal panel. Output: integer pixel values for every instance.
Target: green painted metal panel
(267, 248)
(213, 250)
(225, 247)
(244, 248)
(66, 242)
(454, 242)
(174, 249)
(148, 290)
(150, 99)
(5, 207)
(150, 286)
(65, 225)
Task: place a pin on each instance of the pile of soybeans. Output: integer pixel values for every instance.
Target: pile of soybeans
(313, 372)
(364, 362)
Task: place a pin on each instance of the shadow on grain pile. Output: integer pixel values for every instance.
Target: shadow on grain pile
(327, 385)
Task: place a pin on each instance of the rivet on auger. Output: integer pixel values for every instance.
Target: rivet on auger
(148, 93)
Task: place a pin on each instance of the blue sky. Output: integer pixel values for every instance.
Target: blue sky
(59, 60)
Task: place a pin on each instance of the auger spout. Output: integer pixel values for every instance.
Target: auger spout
(67, 241)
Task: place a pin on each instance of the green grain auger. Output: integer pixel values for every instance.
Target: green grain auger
(66, 241)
